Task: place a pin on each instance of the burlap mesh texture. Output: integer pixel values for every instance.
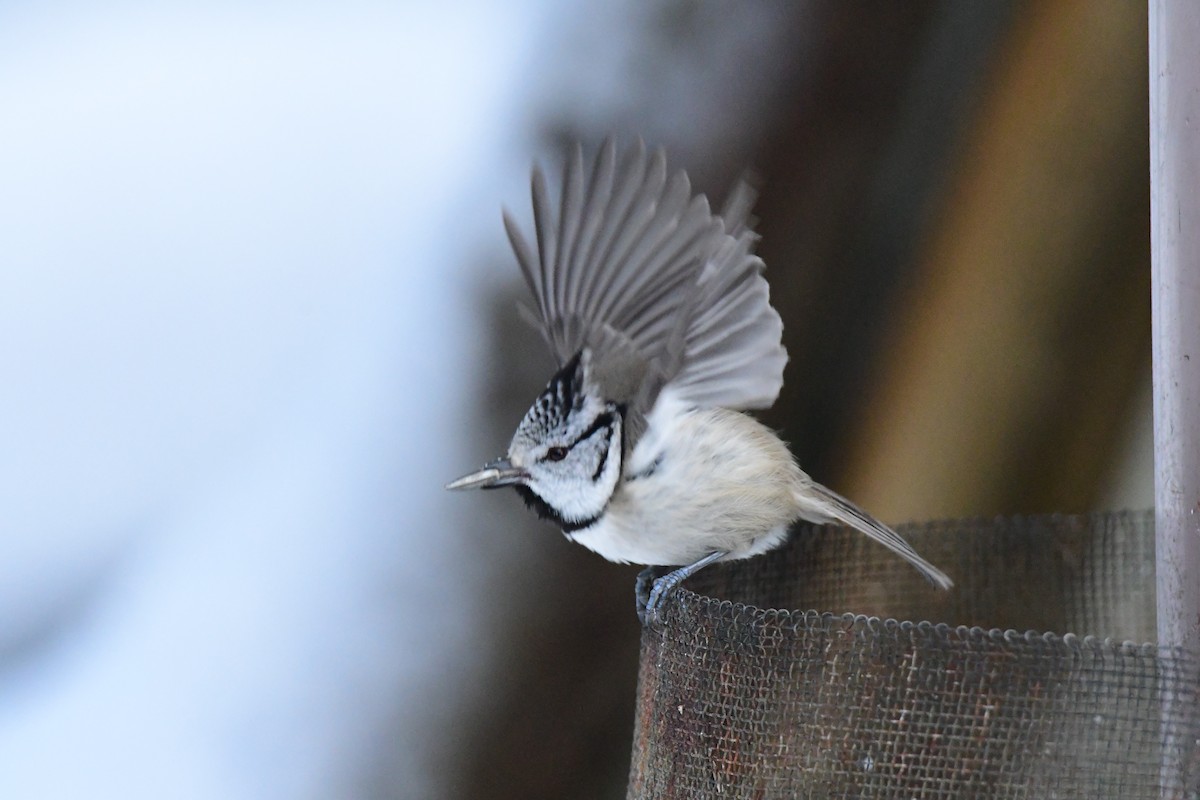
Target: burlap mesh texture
(736, 701)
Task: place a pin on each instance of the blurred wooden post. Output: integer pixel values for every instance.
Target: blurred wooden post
(1175, 250)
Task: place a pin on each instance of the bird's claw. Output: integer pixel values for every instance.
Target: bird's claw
(659, 589)
(642, 592)
(664, 587)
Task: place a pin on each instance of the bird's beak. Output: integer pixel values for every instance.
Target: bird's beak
(498, 473)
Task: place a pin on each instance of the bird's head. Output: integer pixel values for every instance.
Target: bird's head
(565, 458)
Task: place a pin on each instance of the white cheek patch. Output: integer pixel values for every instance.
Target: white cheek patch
(579, 487)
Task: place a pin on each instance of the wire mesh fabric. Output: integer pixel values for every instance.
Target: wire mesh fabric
(739, 697)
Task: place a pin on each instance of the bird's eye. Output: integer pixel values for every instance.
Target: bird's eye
(556, 454)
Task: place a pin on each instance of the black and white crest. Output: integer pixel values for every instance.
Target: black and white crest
(563, 397)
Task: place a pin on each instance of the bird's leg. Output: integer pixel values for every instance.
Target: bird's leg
(664, 586)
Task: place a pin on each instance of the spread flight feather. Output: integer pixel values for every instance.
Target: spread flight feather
(632, 266)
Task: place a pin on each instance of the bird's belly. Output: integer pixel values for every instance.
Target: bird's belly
(679, 514)
(618, 540)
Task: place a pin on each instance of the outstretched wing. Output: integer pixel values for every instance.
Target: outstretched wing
(732, 355)
(633, 265)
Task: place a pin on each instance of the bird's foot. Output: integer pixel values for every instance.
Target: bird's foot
(644, 588)
(661, 588)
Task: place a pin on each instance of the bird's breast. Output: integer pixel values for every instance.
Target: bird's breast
(717, 480)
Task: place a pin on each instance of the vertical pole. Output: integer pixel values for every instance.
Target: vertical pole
(1175, 250)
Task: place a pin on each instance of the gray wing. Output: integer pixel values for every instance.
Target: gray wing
(732, 355)
(667, 295)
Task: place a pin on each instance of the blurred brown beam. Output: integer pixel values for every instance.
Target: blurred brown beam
(1018, 349)
(851, 172)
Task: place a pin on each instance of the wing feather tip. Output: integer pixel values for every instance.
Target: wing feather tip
(652, 217)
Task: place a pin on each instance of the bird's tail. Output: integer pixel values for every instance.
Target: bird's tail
(822, 504)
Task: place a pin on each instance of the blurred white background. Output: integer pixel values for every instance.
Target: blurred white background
(233, 252)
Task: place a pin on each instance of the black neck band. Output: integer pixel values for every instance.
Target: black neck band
(545, 511)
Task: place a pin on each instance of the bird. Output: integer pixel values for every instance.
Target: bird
(658, 314)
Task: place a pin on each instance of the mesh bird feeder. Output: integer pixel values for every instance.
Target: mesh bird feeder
(740, 698)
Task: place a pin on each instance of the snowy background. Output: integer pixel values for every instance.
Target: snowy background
(235, 249)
